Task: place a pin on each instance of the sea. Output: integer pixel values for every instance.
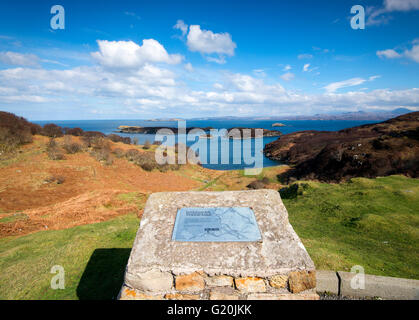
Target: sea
(213, 155)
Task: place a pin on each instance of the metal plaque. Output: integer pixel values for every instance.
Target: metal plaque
(217, 224)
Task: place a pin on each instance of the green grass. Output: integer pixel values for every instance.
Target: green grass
(369, 222)
(93, 256)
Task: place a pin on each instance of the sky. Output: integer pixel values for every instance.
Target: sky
(162, 59)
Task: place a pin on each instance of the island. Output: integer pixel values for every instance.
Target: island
(232, 133)
(278, 124)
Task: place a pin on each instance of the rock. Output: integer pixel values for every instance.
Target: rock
(256, 185)
(219, 281)
(217, 294)
(150, 281)
(302, 280)
(190, 282)
(250, 284)
(131, 294)
(279, 281)
(181, 296)
(278, 124)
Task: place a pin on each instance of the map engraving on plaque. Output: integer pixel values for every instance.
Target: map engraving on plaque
(220, 224)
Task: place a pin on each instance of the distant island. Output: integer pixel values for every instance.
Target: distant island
(231, 132)
(278, 124)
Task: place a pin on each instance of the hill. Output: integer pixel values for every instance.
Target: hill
(389, 147)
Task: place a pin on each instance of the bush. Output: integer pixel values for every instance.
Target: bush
(91, 138)
(147, 145)
(53, 151)
(102, 150)
(52, 130)
(115, 138)
(119, 153)
(74, 131)
(132, 154)
(14, 131)
(56, 179)
(256, 185)
(70, 146)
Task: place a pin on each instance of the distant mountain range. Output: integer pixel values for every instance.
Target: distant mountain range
(356, 115)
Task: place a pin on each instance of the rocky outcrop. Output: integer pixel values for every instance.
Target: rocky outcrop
(389, 147)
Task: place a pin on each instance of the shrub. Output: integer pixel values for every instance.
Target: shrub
(91, 138)
(147, 145)
(52, 130)
(115, 138)
(102, 150)
(256, 185)
(135, 141)
(70, 146)
(119, 153)
(132, 154)
(14, 131)
(74, 131)
(53, 151)
(56, 179)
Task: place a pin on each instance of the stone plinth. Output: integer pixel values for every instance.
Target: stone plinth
(278, 267)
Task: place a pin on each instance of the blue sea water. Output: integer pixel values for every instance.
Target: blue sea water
(248, 147)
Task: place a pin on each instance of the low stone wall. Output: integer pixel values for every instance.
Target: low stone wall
(156, 285)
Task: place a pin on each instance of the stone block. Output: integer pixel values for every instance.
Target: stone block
(250, 284)
(150, 281)
(219, 281)
(301, 280)
(279, 281)
(190, 282)
(182, 296)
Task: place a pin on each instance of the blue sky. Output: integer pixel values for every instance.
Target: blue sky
(206, 58)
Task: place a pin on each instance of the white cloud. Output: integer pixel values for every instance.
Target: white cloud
(128, 54)
(305, 67)
(379, 15)
(330, 88)
(287, 76)
(401, 5)
(19, 59)
(182, 26)
(287, 67)
(412, 53)
(304, 56)
(334, 86)
(389, 54)
(188, 66)
(208, 42)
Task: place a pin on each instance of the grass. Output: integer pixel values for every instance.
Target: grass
(93, 256)
(369, 222)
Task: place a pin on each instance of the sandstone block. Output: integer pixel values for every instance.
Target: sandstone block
(150, 281)
(190, 282)
(250, 284)
(181, 296)
(279, 281)
(302, 280)
(219, 281)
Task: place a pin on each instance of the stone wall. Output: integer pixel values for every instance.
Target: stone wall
(157, 285)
